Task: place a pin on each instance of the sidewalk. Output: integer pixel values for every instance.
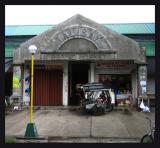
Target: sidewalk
(58, 124)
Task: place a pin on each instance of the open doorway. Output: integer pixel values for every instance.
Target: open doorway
(120, 83)
(78, 74)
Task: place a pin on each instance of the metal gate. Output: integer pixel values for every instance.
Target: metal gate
(47, 87)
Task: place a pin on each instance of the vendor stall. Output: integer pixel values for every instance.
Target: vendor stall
(124, 101)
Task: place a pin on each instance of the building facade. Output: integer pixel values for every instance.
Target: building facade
(78, 51)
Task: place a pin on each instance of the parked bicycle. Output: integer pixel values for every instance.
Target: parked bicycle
(149, 138)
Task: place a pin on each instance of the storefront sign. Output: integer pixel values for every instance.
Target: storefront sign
(81, 31)
(77, 56)
(16, 80)
(27, 85)
(114, 64)
(142, 72)
(143, 83)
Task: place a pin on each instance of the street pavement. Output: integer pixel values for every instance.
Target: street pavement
(61, 125)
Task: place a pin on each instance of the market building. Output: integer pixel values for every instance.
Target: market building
(79, 51)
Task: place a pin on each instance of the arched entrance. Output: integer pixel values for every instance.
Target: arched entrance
(78, 70)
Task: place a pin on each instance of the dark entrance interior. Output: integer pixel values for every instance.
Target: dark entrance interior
(78, 74)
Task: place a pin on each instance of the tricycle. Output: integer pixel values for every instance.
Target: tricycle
(96, 99)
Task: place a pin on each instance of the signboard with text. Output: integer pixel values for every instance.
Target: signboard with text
(114, 64)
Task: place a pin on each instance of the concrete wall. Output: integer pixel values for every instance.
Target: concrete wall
(65, 84)
(134, 86)
(92, 72)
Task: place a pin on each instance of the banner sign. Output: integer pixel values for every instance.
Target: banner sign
(16, 84)
(114, 64)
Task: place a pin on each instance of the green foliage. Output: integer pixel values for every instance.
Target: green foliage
(9, 140)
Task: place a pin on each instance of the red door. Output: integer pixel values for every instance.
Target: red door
(47, 87)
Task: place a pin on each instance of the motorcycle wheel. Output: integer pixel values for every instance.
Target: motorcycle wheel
(147, 139)
(109, 108)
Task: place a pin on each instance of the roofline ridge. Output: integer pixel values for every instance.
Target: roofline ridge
(100, 23)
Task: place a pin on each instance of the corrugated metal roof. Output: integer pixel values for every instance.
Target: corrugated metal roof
(26, 29)
(130, 28)
(135, 28)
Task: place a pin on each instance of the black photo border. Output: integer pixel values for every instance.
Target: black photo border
(80, 2)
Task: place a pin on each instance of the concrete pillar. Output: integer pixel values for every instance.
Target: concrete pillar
(26, 87)
(16, 85)
(65, 84)
(142, 80)
(142, 76)
(92, 67)
(134, 86)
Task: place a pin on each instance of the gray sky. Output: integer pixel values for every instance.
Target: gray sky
(54, 14)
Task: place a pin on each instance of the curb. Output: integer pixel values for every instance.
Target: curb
(50, 139)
